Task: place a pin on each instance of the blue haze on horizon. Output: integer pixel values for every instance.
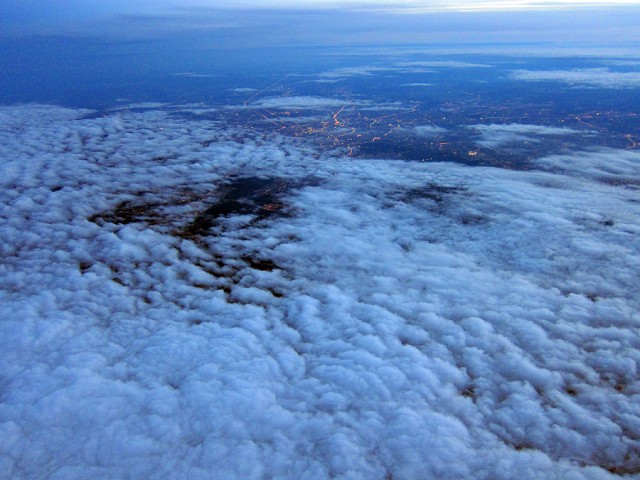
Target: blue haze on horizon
(117, 20)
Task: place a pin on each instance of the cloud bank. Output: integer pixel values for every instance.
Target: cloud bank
(604, 165)
(499, 135)
(300, 103)
(428, 66)
(428, 130)
(582, 77)
(184, 299)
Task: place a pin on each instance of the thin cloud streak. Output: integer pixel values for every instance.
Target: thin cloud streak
(415, 6)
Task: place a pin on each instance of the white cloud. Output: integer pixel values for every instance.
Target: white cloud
(443, 64)
(192, 108)
(338, 74)
(417, 84)
(195, 75)
(301, 103)
(622, 63)
(140, 106)
(28, 115)
(498, 135)
(383, 107)
(610, 165)
(428, 130)
(591, 77)
(196, 110)
(601, 52)
(244, 90)
(411, 6)
(405, 320)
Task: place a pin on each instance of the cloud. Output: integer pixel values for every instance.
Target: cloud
(443, 64)
(298, 103)
(194, 109)
(340, 74)
(409, 6)
(428, 130)
(191, 108)
(244, 90)
(622, 63)
(183, 298)
(582, 77)
(301, 103)
(195, 75)
(417, 84)
(498, 135)
(383, 107)
(140, 106)
(602, 52)
(608, 165)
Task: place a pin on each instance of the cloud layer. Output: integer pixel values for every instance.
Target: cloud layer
(428, 130)
(300, 103)
(591, 77)
(328, 318)
(604, 165)
(338, 74)
(499, 135)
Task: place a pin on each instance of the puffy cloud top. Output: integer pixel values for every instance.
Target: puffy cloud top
(185, 299)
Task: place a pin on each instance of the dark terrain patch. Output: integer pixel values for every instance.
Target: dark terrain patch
(127, 212)
(189, 213)
(432, 191)
(195, 213)
(257, 196)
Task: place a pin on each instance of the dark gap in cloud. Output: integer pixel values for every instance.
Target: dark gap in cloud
(126, 212)
(149, 207)
(433, 191)
(194, 214)
(228, 272)
(261, 197)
